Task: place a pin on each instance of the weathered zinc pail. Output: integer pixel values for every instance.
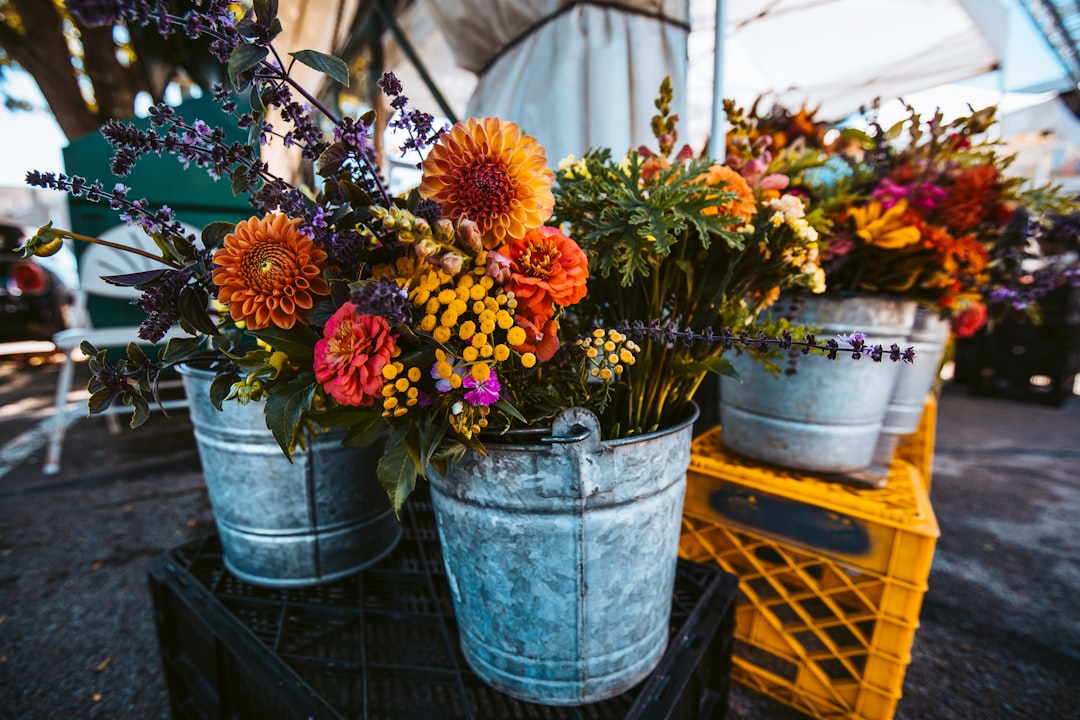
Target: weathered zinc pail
(827, 416)
(319, 518)
(561, 557)
(929, 335)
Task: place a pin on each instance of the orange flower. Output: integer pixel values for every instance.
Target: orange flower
(488, 171)
(971, 199)
(541, 339)
(268, 273)
(546, 268)
(743, 206)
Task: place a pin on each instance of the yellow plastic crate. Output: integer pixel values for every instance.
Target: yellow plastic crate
(918, 448)
(831, 577)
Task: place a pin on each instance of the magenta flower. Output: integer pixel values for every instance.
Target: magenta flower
(482, 393)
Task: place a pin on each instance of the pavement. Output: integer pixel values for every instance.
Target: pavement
(999, 634)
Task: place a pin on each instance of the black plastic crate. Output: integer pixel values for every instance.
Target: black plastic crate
(383, 644)
(1020, 360)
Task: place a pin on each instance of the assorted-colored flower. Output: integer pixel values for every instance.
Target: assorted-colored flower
(488, 171)
(350, 357)
(268, 273)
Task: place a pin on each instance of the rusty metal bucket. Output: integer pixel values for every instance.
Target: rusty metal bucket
(561, 557)
(321, 517)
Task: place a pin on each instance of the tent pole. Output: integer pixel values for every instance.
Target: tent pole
(718, 132)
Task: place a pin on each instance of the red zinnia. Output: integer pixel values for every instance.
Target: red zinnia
(350, 358)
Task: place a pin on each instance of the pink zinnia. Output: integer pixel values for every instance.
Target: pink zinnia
(349, 360)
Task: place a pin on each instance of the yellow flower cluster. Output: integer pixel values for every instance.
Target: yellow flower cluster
(468, 420)
(399, 391)
(471, 308)
(574, 168)
(608, 353)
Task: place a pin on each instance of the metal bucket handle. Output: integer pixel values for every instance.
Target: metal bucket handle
(575, 439)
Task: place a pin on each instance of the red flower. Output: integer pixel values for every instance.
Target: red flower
(349, 360)
(546, 269)
(541, 340)
(969, 320)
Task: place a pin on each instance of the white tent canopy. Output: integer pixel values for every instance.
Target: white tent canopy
(587, 79)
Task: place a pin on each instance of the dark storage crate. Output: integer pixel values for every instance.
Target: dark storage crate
(1019, 360)
(383, 644)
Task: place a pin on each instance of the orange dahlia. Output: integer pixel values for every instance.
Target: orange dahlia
(546, 269)
(268, 273)
(972, 198)
(742, 206)
(490, 172)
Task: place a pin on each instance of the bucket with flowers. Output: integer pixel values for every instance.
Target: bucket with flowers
(533, 351)
(919, 226)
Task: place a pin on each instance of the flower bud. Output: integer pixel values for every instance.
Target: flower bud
(452, 263)
(425, 248)
(468, 236)
(498, 267)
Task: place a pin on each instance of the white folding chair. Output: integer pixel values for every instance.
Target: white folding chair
(95, 262)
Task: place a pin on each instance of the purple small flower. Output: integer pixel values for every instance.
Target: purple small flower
(482, 393)
(443, 384)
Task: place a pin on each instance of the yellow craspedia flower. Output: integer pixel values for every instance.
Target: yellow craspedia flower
(415, 374)
(501, 352)
(481, 371)
(441, 334)
(516, 336)
(528, 360)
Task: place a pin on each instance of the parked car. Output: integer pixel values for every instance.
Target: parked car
(36, 294)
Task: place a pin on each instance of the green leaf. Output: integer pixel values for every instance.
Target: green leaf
(366, 432)
(177, 349)
(136, 355)
(240, 181)
(397, 469)
(265, 10)
(335, 67)
(244, 57)
(140, 411)
(717, 364)
(285, 406)
(298, 342)
(214, 233)
(99, 401)
(220, 387)
(192, 305)
(510, 410)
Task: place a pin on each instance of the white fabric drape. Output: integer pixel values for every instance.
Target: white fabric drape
(584, 78)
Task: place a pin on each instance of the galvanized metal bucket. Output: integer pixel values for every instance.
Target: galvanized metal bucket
(321, 517)
(561, 557)
(929, 335)
(827, 417)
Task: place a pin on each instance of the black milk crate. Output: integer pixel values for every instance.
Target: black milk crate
(383, 644)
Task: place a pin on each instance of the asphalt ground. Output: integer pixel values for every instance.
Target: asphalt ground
(999, 633)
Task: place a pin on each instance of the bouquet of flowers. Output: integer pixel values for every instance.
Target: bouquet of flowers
(485, 299)
(924, 209)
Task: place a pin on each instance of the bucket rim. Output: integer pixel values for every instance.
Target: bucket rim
(692, 414)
